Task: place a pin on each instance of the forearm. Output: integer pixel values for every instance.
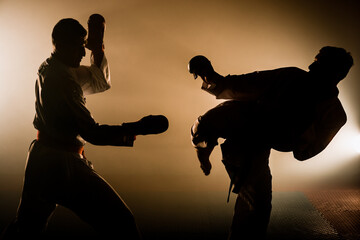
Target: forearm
(94, 79)
(97, 55)
(200, 135)
(124, 135)
(112, 135)
(95, 41)
(247, 87)
(204, 146)
(203, 154)
(213, 83)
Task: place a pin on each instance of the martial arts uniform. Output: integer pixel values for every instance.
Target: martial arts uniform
(285, 109)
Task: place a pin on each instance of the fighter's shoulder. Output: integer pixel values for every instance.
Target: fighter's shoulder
(57, 77)
(55, 70)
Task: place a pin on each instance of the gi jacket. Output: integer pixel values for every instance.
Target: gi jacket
(295, 111)
(61, 114)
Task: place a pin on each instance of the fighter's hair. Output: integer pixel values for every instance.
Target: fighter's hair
(336, 59)
(67, 30)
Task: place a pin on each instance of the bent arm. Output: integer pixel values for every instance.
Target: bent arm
(201, 137)
(251, 86)
(246, 87)
(94, 78)
(318, 136)
(90, 130)
(204, 145)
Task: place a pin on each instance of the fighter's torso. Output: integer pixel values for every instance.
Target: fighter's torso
(55, 90)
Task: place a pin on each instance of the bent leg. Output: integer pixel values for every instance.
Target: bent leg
(229, 119)
(98, 204)
(31, 220)
(32, 217)
(35, 206)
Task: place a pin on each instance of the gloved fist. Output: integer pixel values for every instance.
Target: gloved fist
(200, 66)
(96, 28)
(152, 124)
(206, 167)
(203, 155)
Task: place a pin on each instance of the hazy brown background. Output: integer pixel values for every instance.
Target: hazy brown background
(148, 45)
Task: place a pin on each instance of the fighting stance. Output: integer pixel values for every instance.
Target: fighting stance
(57, 171)
(287, 109)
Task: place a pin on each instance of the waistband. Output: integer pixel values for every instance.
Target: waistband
(46, 140)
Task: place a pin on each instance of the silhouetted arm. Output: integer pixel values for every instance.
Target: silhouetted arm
(204, 144)
(251, 86)
(238, 87)
(330, 118)
(94, 78)
(89, 129)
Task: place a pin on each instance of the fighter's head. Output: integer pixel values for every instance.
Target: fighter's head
(200, 66)
(68, 38)
(332, 63)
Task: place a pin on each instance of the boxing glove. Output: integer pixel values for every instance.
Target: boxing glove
(96, 29)
(152, 124)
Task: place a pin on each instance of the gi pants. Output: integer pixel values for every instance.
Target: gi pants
(246, 159)
(250, 173)
(55, 177)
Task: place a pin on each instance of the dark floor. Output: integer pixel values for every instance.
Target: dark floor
(341, 209)
(320, 215)
(323, 215)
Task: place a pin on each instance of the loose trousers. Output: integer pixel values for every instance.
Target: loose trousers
(253, 184)
(55, 177)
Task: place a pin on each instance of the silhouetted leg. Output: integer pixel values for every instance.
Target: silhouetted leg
(253, 204)
(98, 204)
(35, 208)
(59, 177)
(230, 119)
(32, 218)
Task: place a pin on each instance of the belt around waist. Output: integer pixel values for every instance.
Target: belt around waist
(50, 142)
